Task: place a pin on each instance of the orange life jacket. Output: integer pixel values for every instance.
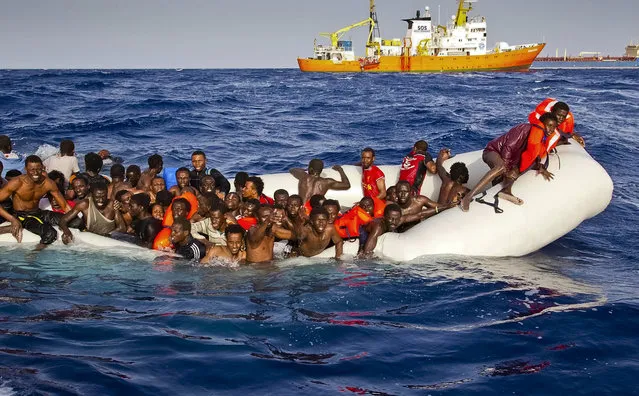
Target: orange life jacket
(536, 147)
(247, 222)
(348, 224)
(168, 215)
(163, 239)
(567, 127)
(379, 205)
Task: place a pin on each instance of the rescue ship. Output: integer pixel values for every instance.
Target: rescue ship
(460, 46)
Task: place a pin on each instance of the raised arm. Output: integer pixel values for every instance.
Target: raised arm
(343, 184)
(443, 155)
(298, 173)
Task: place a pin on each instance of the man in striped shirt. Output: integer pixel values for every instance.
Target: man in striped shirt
(185, 245)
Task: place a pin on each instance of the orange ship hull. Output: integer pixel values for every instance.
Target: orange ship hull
(516, 60)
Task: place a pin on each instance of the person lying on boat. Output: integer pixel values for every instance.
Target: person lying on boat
(260, 238)
(373, 179)
(311, 183)
(452, 189)
(316, 236)
(184, 243)
(504, 154)
(416, 164)
(97, 210)
(145, 226)
(25, 192)
(565, 119)
(232, 251)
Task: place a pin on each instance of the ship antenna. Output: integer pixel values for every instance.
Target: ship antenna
(374, 26)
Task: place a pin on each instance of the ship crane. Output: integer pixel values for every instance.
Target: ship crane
(335, 36)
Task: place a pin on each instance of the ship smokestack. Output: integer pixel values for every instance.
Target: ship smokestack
(417, 14)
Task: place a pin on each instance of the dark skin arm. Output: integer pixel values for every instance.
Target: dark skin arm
(381, 186)
(257, 233)
(375, 230)
(298, 173)
(343, 184)
(6, 192)
(80, 207)
(339, 243)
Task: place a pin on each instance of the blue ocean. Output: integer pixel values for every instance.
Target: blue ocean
(561, 321)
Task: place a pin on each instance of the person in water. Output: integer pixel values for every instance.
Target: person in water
(214, 225)
(416, 164)
(184, 243)
(232, 251)
(504, 154)
(389, 223)
(260, 238)
(156, 164)
(98, 212)
(452, 189)
(373, 179)
(25, 192)
(311, 183)
(318, 234)
(145, 226)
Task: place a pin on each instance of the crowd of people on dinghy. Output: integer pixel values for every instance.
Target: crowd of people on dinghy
(194, 212)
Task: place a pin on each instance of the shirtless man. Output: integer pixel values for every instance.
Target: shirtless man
(26, 192)
(316, 236)
(232, 251)
(293, 206)
(391, 194)
(311, 183)
(414, 205)
(183, 177)
(261, 237)
(232, 202)
(79, 188)
(452, 189)
(133, 174)
(389, 223)
(98, 212)
(118, 182)
(157, 184)
(155, 167)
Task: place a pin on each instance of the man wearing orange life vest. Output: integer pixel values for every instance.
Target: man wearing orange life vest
(566, 126)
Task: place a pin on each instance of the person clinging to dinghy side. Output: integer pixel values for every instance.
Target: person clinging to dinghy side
(504, 154)
(260, 239)
(316, 236)
(232, 251)
(565, 119)
(185, 245)
(415, 208)
(389, 223)
(373, 179)
(452, 189)
(311, 183)
(25, 192)
(416, 164)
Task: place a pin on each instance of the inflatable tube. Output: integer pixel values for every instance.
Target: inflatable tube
(580, 190)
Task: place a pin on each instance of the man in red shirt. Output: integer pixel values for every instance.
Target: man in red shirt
(373, 181)
(253, 189)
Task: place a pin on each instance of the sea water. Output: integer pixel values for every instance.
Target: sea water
(560, 321)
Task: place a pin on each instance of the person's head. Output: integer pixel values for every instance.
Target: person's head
(100, 195)
(319, 219)
(124, 197)
(181, 207)
(93, 163)
(67, 148)
(317, 200)
(198, 160)
(12, 174)
(560, 110)
(204, 203)
(216, 215)
(183, 177)
(180, 230)
(392, 217)
(5, 144)
(550, 122)
(158, 184)
(155, 162)
(164, 198)
(253, 187)
(420, 146)
(280, 197)
(35, 169)
(293, 205)
(133, 173)
(139, 204)
(157, 211)
(239, 181)
(264, 213)
(315, 167)
(207, 185)
(232, 201)
(368, 157)
(279, 213)
(391, 194)
(368, 205)
(56, 176)
(117, 172)
(332, 208)
(234, 238)
(404, 192)
(459, 173)
(250, 207)
(80, 186)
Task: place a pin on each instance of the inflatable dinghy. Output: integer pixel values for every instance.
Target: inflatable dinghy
(581, 189)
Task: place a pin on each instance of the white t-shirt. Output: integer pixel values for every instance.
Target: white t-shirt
(67, 165)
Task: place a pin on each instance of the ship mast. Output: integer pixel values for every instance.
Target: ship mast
(462, 12)
(374, 26)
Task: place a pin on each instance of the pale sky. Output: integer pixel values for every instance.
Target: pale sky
(273, 33)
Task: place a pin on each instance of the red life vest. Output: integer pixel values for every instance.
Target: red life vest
(410, 166)
(348, 224)
(247, 222)
(163, 239)
(567, 127)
